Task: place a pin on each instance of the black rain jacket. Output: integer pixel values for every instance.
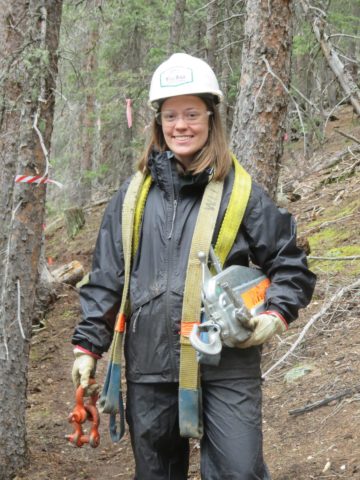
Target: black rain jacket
(267, 237)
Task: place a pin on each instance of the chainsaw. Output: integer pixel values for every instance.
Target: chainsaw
(229, 299)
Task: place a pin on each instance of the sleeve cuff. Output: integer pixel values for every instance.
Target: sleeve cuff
(87, 347)
(84, 350)
(277, 314)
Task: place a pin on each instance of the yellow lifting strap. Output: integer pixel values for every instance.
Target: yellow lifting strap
(190, 418)
(234, 212)
(189, 390)
(111, 400)
(139, 210)
(232, 219)
(190, 411)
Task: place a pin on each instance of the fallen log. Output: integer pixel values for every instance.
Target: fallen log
(71, 273)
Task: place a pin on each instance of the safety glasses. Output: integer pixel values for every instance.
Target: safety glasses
(190, 117)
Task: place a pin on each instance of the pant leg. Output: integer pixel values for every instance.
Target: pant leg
(152, 415)
(232, 447)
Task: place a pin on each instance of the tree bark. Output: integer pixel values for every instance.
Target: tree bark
(211, 34)
(261, 106)
(74, 220)
(229, 50)
(45, 293)
(88, 116)
(29, 40)
(177, 26)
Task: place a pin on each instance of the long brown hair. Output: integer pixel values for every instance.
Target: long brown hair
(215, 153)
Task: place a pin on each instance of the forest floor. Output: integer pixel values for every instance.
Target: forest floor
(322, 443)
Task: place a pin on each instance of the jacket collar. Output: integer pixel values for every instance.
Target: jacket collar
(162, 166)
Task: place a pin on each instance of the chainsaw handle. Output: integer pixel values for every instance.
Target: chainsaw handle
(213, 346)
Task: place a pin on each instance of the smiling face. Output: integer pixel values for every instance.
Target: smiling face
(185, 125)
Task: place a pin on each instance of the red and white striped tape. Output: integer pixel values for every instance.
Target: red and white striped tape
(36, 179)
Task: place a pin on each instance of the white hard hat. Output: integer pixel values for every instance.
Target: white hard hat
(182, 74)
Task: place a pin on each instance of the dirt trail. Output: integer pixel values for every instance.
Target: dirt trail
(322, 444)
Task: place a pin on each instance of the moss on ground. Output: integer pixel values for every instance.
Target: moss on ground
(338, 239)
(328, 238)
(350, 267)
(335, 213)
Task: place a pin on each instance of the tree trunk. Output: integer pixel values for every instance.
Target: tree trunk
(29, 34)
(228, 51)
(261, 106)
(45, 293)
(225, 65)
(88, 116)
(354, 44)
(74, 220)
(177, 26)
(211, 33)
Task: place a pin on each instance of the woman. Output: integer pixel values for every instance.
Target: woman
(186, 153)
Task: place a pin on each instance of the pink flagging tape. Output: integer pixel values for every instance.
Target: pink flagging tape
(36, 179)
(128, 112)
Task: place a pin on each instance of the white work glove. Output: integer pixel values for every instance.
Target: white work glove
(264, 326)
(83, 369)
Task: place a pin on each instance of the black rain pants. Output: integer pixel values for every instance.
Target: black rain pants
(231, 448)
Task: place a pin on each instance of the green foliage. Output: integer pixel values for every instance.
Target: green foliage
(343, 22)
(304, 41)
(233, 84)
(99, 173)
(34, 57)
(108, 54)
(51, 211)
(42, 125)
(131, 39)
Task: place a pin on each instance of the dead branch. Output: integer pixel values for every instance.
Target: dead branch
(98, 203)
(354, 257)
(347, 135)
(328, 117)
(19, 309)
(271, 72)
(42, 92)
(352, 154)
(319, 25)
(344, 35)
(335, 159)
(325, 224)
(325, 401)
(224, 47)
(226, 20)
(341, 175)
(204, 6)
(49, 228)
(307, 100)
(327, 305)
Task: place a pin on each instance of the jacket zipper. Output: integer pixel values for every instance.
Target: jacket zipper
(173, 218)
(136, 319)
(169, 268)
